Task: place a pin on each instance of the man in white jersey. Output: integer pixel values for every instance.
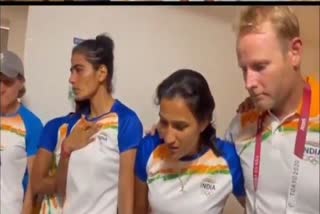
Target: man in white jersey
(278, 141)
(20, 130)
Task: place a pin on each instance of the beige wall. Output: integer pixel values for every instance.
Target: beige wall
(151, 42)
(309, 22)
(310, 60)
(16, 18)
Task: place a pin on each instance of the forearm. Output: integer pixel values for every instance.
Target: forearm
(141, 204)
(125, 204)
(242, 201)
(62, 171)
(48, 185)
(126, 182)
(125, 197)
(28, 201)
(141, 209)
(29, 195)
(43, 181)
(61, 179)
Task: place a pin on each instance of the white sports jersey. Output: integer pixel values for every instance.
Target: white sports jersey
(277, 152)
(19, 140)
(198, 184)
(92, 180)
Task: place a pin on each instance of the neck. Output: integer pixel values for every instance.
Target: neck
(101, 103)
(196, 150)
(290, 101)
(11, 108)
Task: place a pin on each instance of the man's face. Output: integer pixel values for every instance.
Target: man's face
(266, 67)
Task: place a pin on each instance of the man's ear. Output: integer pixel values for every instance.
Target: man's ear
(295, 52)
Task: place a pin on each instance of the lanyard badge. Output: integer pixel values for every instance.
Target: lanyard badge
(298, 150)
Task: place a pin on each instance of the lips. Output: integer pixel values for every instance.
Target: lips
(256, 96)
(173, 148)
(75, 90)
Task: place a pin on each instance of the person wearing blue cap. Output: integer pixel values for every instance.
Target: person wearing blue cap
(20, 130)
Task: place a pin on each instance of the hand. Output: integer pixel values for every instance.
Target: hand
(81, 135)
(246, 105)
(152, 131)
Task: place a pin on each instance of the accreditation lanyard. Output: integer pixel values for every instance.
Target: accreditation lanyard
(298, 149)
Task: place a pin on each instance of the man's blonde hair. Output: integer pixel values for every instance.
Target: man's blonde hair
(283, 20)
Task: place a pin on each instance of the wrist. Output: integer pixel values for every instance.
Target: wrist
(65, 150)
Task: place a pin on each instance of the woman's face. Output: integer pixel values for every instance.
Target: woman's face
(10, 88)
(85, 80)
(179, 128)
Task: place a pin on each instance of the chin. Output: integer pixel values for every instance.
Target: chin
(4, 105)
(263, 105)
(176, 156)
(79, 98)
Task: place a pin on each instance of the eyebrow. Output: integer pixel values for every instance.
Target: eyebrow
(263, 61)
(174, 121)
(255, 63)
(5, 78)
(76, 66)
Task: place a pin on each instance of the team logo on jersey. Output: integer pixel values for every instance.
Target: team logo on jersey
(208, 186)
(103, 139)
(312, 152)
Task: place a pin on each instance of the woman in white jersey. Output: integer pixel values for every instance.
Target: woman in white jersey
(185, 168)
(96, 167)
(19, 133)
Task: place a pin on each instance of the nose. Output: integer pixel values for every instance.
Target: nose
(250, 79)
(169, 136)
(72, 78)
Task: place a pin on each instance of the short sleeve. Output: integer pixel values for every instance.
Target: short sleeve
(232, 129)
(49, 136)
(144, 151)
(130, 132)
(229, 153)
(33, 130)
